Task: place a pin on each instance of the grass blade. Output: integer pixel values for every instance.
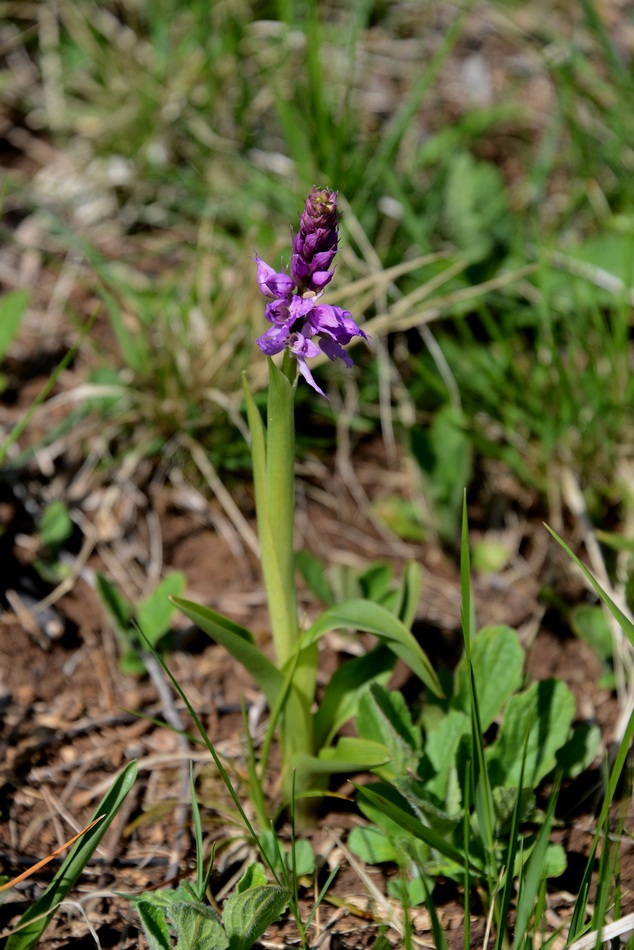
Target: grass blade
(64, 880)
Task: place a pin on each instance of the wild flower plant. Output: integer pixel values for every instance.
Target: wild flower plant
(302, 326)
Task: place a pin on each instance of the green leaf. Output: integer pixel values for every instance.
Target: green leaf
(197, 925)
(349, 755)
(239, 642)
(55, 525)
(580, 751)
(624, 622)
(247, 915)
(361, 615)
(441, 745)
(409, 593)
(552, 707)
(300, 859)
(314, 576)
(589, 623)
(153, 923)
(12, 308)
(374, 846)
(345, 687)
(155, 613)
(414, 826)
(497, 659)
(384, 718)
(254, 876)
(375, 581)
(119, 609)
(81, 852)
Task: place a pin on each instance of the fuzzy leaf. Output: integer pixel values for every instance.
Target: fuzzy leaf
(197, 926)
(154, 926)
(247, 915)
(384, 717)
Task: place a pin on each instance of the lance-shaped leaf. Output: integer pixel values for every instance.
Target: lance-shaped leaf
(41, 912)
(361, 615)
(239, 642)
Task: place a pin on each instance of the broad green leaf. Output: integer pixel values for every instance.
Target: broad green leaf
(155, 613)
(300, 858)
(377, 813)
(441, 744)
(432, 813)
(375, 581)
(197, 926)
(153, 922)
(349, 755)
(254, 876)
(497, 659)
(345, 687)
(12, 308)
(44, 907)
(239, 642)
(552, 707)
(361, 615)
(374, 846)
(384, 718)
(580, 751)
(247, 915)
(506, 801)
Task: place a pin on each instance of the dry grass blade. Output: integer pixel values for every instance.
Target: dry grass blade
(54, 854)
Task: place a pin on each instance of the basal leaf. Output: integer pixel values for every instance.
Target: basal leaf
(349, 755)
(497, 659)
(346, 686)
(414, 826)
(374, 846)
(247, 915)
(154, 926)
(384, 718)
(197, 926)
(549, 707)
(441, 745)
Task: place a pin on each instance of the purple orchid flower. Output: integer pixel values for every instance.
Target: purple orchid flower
(300, 323)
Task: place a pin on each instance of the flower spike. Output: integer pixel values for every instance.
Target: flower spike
(298, 318)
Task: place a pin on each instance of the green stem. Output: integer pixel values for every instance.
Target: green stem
(276, 522)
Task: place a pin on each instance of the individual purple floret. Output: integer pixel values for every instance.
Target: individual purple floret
(298, 318)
